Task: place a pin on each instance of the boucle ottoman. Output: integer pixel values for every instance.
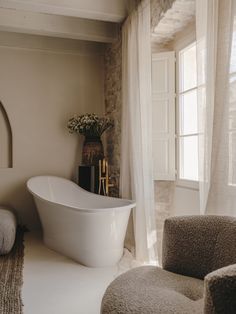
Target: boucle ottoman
(7, 230)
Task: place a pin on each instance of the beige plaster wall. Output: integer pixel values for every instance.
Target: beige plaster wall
(42, 83)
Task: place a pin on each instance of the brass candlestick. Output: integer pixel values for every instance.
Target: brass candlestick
(103, 178)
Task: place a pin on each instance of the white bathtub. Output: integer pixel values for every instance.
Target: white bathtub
(86, 227)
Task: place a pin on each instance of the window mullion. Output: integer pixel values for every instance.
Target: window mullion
(187, 90)
(188, 135)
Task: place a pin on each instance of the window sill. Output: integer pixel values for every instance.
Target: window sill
(188, 184)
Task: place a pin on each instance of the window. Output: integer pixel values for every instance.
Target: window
(187, 121)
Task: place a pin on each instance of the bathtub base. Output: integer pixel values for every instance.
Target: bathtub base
(88, 258)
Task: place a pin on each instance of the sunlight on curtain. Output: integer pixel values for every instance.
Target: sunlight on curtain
(136, 138)
(232, 111)
(217, 105)
(206, 35)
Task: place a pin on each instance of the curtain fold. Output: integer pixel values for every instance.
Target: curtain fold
(206, 42)
(216, 57)
(136, 180)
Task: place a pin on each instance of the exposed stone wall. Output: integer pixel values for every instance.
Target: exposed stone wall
(113, 82)
(174, 21)
(158, 8)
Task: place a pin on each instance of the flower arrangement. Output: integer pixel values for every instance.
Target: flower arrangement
(89, 124)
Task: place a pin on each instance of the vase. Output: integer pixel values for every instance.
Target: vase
(92, 151)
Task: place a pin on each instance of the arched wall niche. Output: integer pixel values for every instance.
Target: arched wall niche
(6, 158)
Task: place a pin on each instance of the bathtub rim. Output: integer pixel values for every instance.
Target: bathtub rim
(131, 204)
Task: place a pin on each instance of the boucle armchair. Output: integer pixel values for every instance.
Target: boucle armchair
(198, 273)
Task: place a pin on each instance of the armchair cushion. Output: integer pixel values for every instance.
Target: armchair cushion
(150, 289)
(197, 245)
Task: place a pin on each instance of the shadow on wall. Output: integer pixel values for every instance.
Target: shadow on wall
(6, 160)
(18, 198)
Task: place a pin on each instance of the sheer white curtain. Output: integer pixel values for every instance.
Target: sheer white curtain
(216, 59)
(206, 38)
(136, 138)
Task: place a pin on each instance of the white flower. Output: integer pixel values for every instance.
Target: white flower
(89, 124)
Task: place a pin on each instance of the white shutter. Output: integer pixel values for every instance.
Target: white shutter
(163, 101)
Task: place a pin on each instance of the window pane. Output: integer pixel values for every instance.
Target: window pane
(188, 113)
(189, 158)
(232, 159)
(232, 102)
(233, 50)
(201, 63)
(188, 68)
(201, 108)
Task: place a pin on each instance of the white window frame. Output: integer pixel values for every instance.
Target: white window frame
(191, 184)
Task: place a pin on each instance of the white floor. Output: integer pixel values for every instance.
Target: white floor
(54, 284)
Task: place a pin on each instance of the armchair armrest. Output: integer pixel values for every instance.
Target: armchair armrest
(220, 291)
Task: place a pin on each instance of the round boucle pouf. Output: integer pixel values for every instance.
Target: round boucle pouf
(152, 290)
(7, 230)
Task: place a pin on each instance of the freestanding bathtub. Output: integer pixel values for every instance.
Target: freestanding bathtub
(86, 227)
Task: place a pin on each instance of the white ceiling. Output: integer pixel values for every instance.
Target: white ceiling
(57, 26)
(103, 10)
(174, 20)
(93, 20)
